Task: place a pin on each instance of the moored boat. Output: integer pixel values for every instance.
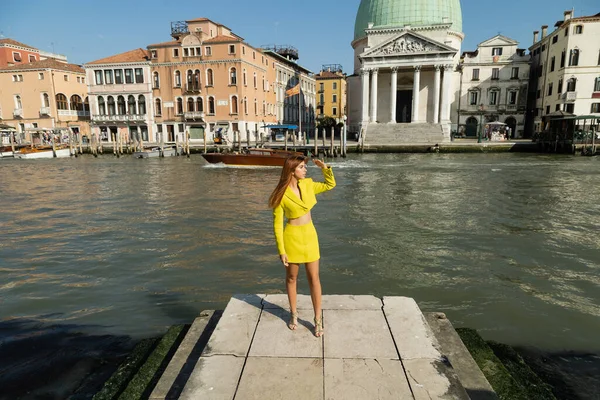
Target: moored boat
(155, 152)
(252, 157)
(43, 152)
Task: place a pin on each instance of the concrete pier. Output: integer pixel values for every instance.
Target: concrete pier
(372, 349)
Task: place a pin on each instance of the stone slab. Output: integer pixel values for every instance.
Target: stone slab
(274, 301)
(413, 336)
(236, 327)
(349, 302)
(273, 338)
(180, 358)
(281, 378)
(432, 379)
(365, 380)
(357, 334)
(214, 378)
(467, 370)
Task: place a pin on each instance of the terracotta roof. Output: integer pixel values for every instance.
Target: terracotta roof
(222, 39)
(136, 55)
(328, 74)
(15, 43)
(165, 44)
(198, 20)
(49, 63)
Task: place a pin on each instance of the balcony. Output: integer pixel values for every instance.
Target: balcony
(192, 88)
(18, 112)
(119, 118)
(193, 115)
(511, 107)
(45, 111)
(570, 96)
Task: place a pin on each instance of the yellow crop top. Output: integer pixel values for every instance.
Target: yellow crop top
(292, 206)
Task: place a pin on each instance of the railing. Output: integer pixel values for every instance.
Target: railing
(45, 111)
(74, 113)
(570, 96)
(119, 118)
(18, 112)
(193, 114)
(191, 87)
(511, 107)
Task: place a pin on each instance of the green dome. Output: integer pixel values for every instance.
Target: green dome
(388, 13)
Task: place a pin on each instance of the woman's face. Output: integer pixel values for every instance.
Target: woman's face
(300, 171)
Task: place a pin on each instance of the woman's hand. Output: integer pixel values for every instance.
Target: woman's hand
(319, 163)
(284, 259)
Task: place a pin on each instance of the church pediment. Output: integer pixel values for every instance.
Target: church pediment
(408, 43)
(498, 40)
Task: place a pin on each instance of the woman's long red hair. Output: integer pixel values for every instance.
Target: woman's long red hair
(291, 163)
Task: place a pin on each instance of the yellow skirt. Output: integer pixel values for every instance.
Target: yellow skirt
(301, 243)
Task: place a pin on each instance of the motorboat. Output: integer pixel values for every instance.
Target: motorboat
(252, 157)
(36, 152)
(155, 152)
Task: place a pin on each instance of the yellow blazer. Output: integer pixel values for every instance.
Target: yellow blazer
(292, 206)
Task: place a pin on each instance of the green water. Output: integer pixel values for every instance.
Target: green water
(506, 244)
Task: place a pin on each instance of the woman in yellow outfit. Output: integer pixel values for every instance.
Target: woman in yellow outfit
(294, 197)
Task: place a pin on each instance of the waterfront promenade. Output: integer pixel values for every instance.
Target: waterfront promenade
(372, 349)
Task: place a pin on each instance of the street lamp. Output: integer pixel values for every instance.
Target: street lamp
(481, 110)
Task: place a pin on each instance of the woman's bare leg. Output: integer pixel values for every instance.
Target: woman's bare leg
(291, 279)
(314, 283)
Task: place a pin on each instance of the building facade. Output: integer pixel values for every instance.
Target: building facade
(493, 87)
(565, 70)
(209, 81)
(121, 99)
(331, 92)
(295, 104)
(46, 95)
(405, 70)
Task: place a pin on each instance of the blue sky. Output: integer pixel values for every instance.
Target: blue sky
(322, 31)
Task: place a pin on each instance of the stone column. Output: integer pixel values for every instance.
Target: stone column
(364, 76)
(416, 88)
(375, 73)
(446, 95)
(436, 95)
(393, 94)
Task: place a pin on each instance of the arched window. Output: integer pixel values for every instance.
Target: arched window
(233, 76)
(571, 85)
(131, 107)
(597, 85)
(61, 102)
(86, 104)
(121, 105)
(211, 105)
(155, 80)
(245, 106)
(578, 29)
(179, 105)
(574, 57)
(101, 106)
(111, 105)
(142, 104)
(264, 110)
(197, 78)
(199, 105)
(18, 102)
(189, 79)
(177, 79)
(158, 107)
(255, 80)
(234, 104)
(209, 77)
(190, 104)
(76, 103)
(255, 107)
(46, 100)
(244, 77)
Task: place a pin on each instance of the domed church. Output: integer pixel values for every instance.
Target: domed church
(405, 82)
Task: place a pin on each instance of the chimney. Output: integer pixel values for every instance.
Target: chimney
(544, 31)
(568, 14)
(535, 36)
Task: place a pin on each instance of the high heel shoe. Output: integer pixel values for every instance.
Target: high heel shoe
(319, 327)
(293, 324)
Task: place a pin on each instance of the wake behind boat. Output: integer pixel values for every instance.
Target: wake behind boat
(252, 157)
